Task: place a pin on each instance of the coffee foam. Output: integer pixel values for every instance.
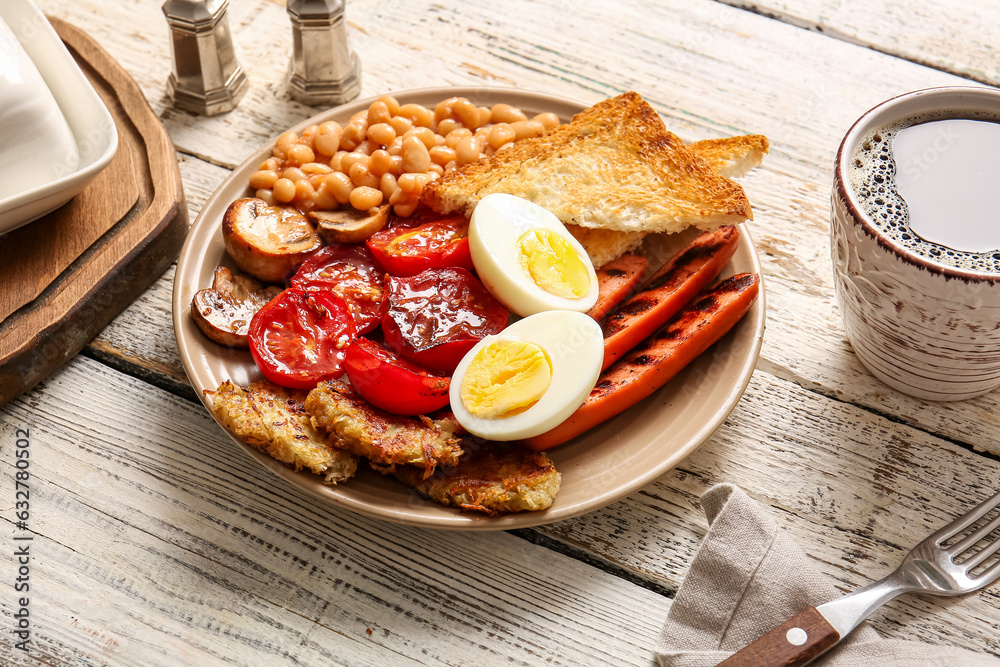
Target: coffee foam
(872, 177)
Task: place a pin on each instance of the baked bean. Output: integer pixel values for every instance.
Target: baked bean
(367, 147)
(263, 179)
(304, 192)
(378, 112)
(380, 162)
(309, 136)
(425, 134)
(387, 152)
(501, 134)
(408, 183)
(312, 168)
(328, 138)
(405, 210)
(415, 156)
(548, 120)
(396, 167)
(442, 155)
(293, 174)
(417, 114)
(466, 112)
(267, 196)
(387, 184)
(361, 177)
(325, 198)
(401, 125)
(339, 185)
(443, 110)
(398, 196)
(505, 113)
(467, 151)
(284, 190)
(364, 198)
(455, 136)
(286, 141)
(352, 159)
(391, 103)
(300, 154)
(382, 134)
(353, 135)
(336, 160)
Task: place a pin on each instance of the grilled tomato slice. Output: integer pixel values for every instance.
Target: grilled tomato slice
(391, 383)
(300, 337)
(350, 272)
(436, 316)
(406, 251)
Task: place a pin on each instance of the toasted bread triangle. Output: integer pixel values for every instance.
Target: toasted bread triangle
(615, 167)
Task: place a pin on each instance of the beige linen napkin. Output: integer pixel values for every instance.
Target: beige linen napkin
(747, 577)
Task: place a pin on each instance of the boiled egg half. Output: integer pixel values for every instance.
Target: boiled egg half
(530, 377)
(528, 259)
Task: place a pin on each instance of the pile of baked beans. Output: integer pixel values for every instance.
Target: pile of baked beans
(387, 153)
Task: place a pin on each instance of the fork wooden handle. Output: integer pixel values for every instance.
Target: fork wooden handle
(798, 641)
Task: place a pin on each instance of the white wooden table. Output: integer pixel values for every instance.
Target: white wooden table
(158, 542)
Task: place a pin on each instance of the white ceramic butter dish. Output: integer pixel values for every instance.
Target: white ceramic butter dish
(47, 154)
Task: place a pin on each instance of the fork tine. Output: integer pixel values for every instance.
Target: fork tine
(966, 520)
(971, 539)
(989, 575)
(982, 555)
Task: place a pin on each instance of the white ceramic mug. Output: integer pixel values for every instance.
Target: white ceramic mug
(924, 327)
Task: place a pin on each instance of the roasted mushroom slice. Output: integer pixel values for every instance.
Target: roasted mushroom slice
(268, 242)
(349, 225)
(223, 312)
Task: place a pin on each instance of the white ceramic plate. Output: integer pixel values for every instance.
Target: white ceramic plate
(88, 118)
(599, 467)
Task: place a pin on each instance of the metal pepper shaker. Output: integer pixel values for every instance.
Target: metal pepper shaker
(323, 69)
(206, 79)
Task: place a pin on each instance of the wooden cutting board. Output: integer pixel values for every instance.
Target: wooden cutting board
(66, 275)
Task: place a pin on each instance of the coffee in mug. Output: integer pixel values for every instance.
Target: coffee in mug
(915, 243)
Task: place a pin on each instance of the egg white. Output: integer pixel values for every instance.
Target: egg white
(498, 221)
(574, 344)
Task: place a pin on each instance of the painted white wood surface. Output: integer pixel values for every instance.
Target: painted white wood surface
(242, 561)
(963, 38)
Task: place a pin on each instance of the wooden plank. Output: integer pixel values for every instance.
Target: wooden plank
(157, 541)
(958, 39)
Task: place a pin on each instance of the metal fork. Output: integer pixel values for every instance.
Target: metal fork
(931, 567)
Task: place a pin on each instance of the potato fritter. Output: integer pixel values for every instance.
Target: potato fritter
(272, 419)
(387, 440)
(493, 478)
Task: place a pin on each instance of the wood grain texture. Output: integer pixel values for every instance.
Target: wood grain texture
(856, 472)
(157, 542)
(775, 648)
(961, 39)
(103, 255)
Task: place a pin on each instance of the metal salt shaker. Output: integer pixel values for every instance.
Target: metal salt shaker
(207, 79)
(323, 69)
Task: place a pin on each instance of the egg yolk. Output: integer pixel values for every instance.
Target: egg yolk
(553, 264)
(504, 378)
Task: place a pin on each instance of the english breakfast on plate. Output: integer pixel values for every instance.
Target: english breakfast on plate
(414, 302)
